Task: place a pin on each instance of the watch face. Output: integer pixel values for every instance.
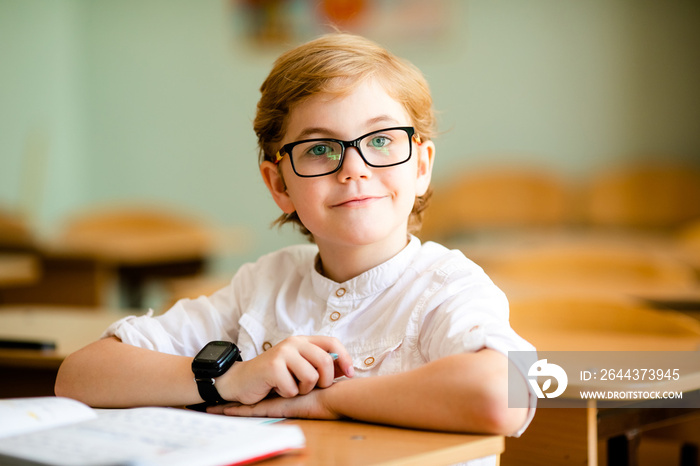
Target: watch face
(212, 352)
(215, 359)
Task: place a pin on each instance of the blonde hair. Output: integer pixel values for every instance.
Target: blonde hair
(337, 63)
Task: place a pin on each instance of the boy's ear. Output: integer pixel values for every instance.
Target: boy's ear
(426, 156)
(272, 176)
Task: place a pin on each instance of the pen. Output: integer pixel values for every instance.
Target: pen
(334, 355)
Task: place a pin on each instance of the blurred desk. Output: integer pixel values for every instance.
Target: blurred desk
(590, 435)
(570, 435)
(33, 372)
(358, 443)
(79, 271)
(18, 269)
(135, 256)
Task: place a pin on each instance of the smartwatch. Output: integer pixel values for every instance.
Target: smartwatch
(212, 361)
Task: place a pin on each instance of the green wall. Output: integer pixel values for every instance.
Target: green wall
(152, 100)
(42, 130)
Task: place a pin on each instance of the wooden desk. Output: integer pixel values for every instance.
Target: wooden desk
(593, 434)
(33, 372)
(358, 443)
(82, 276)
(81, 269)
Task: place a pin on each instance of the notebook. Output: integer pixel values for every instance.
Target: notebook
(60, 431)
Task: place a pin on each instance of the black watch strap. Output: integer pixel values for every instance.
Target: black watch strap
(207, 390)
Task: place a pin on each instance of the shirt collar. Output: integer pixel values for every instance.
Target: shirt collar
(370, 282)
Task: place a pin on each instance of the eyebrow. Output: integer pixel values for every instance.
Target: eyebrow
(327, 132)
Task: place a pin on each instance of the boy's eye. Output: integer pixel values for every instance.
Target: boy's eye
(320, 149)
(379, 141)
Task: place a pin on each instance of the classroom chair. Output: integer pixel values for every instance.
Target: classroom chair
(645, 196)
(557, 321)
(496, 199)
(688, 243)
(594, 265)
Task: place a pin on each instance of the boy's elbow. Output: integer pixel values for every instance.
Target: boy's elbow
(62, 387)
(502, 420)
(79, 376)
(491, 414)
(504, 407)
(66, 383)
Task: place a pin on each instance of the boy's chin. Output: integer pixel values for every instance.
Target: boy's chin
(365, 236)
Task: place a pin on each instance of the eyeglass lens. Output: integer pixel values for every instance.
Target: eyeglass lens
(379, 149)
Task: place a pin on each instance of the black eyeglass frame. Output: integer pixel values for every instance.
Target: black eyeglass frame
(287, 149)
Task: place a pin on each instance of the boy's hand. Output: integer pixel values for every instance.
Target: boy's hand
(309, 406)
(293, 367)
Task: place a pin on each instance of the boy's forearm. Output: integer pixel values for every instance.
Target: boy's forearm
(112, 374)
(460, 393)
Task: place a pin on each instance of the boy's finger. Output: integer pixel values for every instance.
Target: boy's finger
(305, 373)
(322, 363)
(286, 385)
(333, 345)
(343, 365)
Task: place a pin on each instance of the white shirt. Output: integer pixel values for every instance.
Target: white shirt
(425, 303)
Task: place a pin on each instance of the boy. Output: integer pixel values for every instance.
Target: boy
(344, 131)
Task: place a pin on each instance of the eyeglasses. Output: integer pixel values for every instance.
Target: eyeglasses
(318, 157)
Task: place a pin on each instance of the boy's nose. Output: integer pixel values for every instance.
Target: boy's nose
(354, 166)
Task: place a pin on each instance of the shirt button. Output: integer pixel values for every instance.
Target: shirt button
(340, 292)
(266, 346)
(369, 361)
(335, 316)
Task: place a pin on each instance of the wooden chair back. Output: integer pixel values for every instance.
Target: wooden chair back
(593, 267)
(496, 198)
(570, 322)
(688, 242)
(645, 196)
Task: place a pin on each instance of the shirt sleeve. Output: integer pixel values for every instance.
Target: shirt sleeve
(190, 324)
(468, 313)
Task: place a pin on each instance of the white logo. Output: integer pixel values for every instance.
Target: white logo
(543, 369)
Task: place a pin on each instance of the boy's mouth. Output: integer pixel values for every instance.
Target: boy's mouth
(359, 201)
